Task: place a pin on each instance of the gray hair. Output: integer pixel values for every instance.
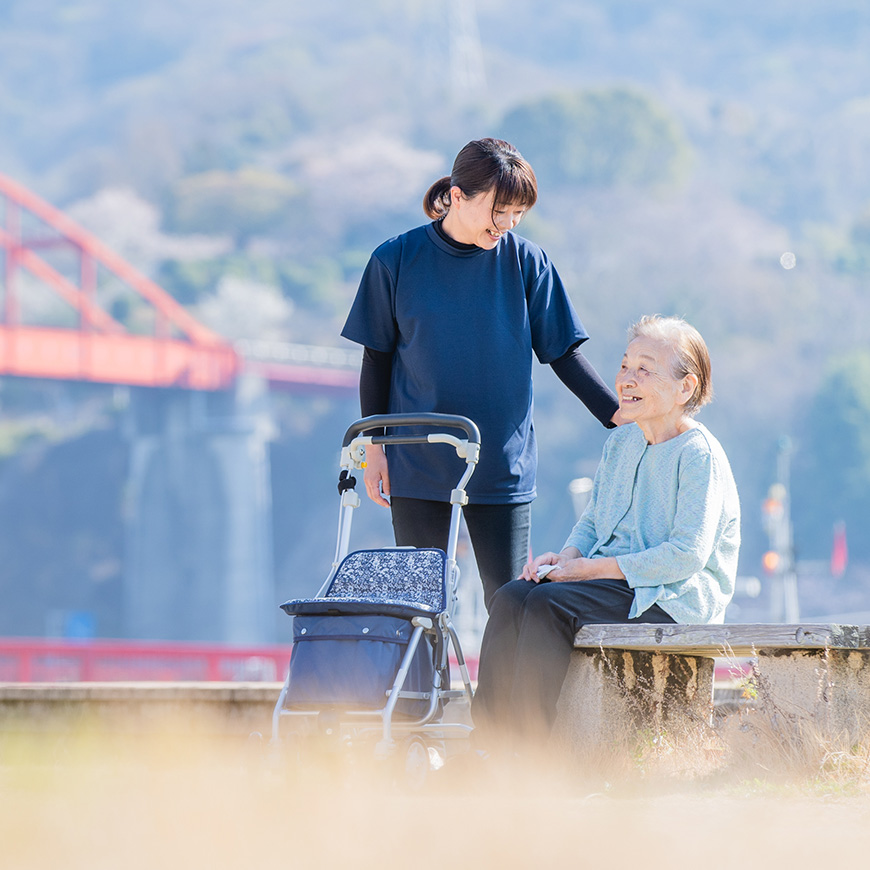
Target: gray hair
(690, 355)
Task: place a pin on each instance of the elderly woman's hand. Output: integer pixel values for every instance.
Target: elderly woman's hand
(580, 568)
(570, 566)
(599, 568)
(553, 561)
(530, 569)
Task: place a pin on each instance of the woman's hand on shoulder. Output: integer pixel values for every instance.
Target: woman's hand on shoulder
(617, 419)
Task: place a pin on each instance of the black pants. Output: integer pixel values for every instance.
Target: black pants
(527, 646)
(499, 533)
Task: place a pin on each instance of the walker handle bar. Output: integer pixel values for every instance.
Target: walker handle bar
(440, 421)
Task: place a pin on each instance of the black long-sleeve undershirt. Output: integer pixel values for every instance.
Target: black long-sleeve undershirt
(580, 377)
(374, 382)
(572, 368)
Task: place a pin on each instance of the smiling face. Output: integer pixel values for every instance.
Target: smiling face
(649, 393)
(473, 221)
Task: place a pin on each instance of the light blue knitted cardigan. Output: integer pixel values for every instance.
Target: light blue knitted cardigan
(670, 514)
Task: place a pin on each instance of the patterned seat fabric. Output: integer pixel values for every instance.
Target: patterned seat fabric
(413, 577)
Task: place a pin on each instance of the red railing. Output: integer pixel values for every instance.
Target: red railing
(28, 660)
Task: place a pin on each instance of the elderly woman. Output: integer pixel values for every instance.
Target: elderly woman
(657, 542)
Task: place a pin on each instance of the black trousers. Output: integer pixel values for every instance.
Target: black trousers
(500, 535)
(527, 646)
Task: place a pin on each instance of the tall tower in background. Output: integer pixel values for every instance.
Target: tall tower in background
(779, 561)
(467, 76)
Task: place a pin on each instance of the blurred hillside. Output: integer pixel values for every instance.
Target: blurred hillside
(250, 156)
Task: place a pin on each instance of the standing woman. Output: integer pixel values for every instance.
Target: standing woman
(450, 315)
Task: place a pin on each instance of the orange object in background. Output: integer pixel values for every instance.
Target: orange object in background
(770, 561)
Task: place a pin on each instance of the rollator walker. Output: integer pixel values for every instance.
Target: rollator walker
(370, 660)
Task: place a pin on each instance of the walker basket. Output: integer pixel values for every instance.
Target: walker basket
(349, 662)
(349, 642)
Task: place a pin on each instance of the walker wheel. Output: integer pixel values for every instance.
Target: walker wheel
(414, 764)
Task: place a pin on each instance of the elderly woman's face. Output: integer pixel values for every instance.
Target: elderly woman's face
(646, 386)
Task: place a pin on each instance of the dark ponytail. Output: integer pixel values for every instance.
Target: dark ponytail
(436, 202)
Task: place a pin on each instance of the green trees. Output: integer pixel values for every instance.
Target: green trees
(599, 138)
(240, 204)
(832, 476)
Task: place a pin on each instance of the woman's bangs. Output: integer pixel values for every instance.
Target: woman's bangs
(514, 187)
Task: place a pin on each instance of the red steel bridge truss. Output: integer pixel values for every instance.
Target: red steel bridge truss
(43, 248)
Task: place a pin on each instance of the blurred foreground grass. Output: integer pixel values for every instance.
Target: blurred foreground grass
(94, 800)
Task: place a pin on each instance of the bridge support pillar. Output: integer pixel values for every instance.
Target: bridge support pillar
(198, 562)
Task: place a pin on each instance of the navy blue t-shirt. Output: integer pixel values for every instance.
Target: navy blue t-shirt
(462, 326)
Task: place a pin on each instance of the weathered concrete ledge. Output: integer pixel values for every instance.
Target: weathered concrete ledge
(208, 708)
(811, 678)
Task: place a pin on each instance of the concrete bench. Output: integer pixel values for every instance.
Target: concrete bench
(660, 677)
